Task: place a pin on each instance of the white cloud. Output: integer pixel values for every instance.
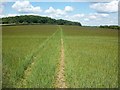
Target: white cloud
(60, 12)
(78, 16)
(75, 17)
(25, 7)
(86, 19)
(1, 11)
(57, 13)
(96, 15)
(106, 7)
(50, 10)
(12, 15)
(92, 18)
(68, 9)
(1, 8)
(1, 16)
(100, 19)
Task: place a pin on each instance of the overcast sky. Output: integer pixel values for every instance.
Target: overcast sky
(88, 13)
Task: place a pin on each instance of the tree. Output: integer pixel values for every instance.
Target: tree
(31, 19)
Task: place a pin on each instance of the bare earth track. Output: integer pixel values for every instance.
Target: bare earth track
(60, 81)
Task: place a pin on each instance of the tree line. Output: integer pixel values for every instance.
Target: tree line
(111, 27)
(31, 19)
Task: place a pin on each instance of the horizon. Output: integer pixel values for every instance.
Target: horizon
(59, 19)
(87, 13)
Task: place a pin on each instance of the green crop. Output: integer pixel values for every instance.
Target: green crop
(91, 57)
(20, 44)
(31, 55)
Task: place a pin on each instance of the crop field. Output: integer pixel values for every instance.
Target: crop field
(48, 56)
(91, 57)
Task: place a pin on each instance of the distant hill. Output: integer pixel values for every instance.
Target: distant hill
(31, 19)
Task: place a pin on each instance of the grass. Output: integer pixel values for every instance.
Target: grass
(31, 55)
(20, 43)
(44, 69)
(91, 58)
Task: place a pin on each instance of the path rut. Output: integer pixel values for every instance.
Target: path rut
(60, 81)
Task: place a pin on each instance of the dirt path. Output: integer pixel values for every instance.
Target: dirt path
(60, 81)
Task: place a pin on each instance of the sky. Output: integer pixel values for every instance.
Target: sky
(88, 13)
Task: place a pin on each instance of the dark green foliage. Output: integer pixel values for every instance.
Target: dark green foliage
(31, 19)
(65, 22)
(111, 27)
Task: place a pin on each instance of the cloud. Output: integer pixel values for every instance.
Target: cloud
(109, 7)
(55, 12)
(78, 16)
(96, 16)
(87, 17)
(50, 10)
(58, 12)
(9, 15)
(99, 19)
(92, 18)
(1, 16)
(12, 15)
(75, 17)
(25, 7)
(1, 8)
(68, 9)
